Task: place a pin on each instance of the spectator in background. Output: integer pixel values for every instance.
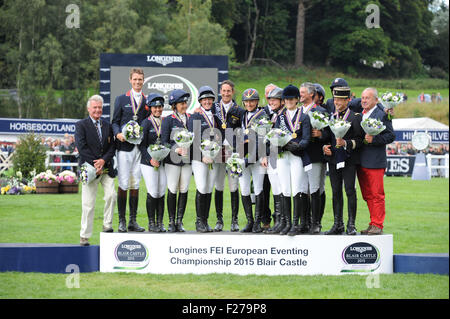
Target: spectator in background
(67, 148)
(405, 97)
(433, 97)
(410, 149)
(421, 98)
(438, 97)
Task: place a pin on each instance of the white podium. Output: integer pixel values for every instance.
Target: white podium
(244, 254)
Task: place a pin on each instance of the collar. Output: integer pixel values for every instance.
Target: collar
(94, 121)
(367, 113)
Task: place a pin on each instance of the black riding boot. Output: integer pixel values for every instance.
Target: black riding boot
(160, 215)
(122, 207)
(351, 202)
(316, 213)
(295, 228)
(234, 211)
(206, 212)
(286, 200)
(305, 216)
(172, 209)
(338, 225)
(133, 204)
(182, 201)
(151, 204)
(276, 215)
(218, 201)
(259, 207)
(199, 209)
(247, 203)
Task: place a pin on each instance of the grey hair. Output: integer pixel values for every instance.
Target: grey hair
(95, 97)
(374, 91)
(310, 86)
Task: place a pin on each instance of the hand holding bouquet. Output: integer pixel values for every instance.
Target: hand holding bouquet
(87, 173)
(278, 137)
(158, 152)
(339, 127)
(372, 127)
(133, 132)
(209, 150)
(390, 100)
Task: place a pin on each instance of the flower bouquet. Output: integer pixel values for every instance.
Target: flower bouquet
(390, 100)
(87, 173)
(262, 126)
(235, 165)
(158, 152)
(133, 132)
(183, 138)
(318, 120)
(372, 127)
(210, 149)
(278, 137)
(339, 127)
(67, 176)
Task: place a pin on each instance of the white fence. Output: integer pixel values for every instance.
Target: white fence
(5, 161)
(49, 161)
(438, 165)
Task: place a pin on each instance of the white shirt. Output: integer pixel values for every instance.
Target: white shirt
(209, 114)
(291, 113)
(305, 107)
(367, 114)
(137, 96)
(227, 106)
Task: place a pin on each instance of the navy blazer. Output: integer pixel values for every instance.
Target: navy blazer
(123, 113)
(150, 137)
(315, 147)
(232, 120)
(355, 133)
(90, 147)
(170, 123)
(373, 155)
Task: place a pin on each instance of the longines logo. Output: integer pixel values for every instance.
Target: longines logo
(164, 59)
(164, 87)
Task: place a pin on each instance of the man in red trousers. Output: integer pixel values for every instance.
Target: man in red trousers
(373, 162)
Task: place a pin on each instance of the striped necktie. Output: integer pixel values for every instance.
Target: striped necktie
(99, 130)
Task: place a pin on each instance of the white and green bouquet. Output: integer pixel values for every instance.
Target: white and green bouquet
(183, 138)
(133, 132)
(339, 127)
(278, 137)
(262, 125)
(318, 120)
(372, 127)
(391, 100)
(158, 152)
(235, 165)
(210, 149)
(88, 173)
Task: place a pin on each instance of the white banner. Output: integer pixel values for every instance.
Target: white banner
(244, 254)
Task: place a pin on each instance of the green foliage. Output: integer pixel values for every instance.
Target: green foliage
(29, 155)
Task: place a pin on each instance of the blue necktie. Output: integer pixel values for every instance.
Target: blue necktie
(99, 130)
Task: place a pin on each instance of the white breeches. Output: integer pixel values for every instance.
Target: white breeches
(155, 180)
(129, 169)
(204, 176)
(256, 172)
(290, 173)
(178, 177)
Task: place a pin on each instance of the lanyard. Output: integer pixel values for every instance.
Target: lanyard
(179, 119)
(134, 107)
(155, 125)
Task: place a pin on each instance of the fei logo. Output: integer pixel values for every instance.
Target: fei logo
(131, 255)
(360, 257)
(166, 82)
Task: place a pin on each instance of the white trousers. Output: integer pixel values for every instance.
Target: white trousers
(275, 182)
(256, 172)
(313, 179)
(233, 182)
(129, 168)
(88, 196)
(290, 173)
(155, 180)
(178, 177)
(204, 176)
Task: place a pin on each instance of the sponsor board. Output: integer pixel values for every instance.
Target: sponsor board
(245, 254)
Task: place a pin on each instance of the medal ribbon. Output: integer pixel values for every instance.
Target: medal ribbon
(179, 119)
(223, 115)
(308, 108)
(155, 125)
(248, 122)
(347, 113)
(133, 104)
(296, 126)
(206, 117)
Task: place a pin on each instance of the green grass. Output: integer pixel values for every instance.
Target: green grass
(417, 215)
(221, 286)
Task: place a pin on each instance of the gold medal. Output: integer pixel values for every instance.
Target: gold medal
(224, 126)
(294, 135)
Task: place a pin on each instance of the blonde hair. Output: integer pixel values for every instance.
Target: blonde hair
(137, 71)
